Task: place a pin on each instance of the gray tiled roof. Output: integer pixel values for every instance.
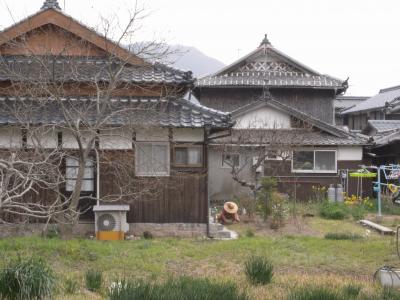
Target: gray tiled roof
(51, 4)
(270, 79)
(379, 101)
(287, 137)
(165, 112)
(384, 125)
(346, 102)
(83, 69)
(267, 66)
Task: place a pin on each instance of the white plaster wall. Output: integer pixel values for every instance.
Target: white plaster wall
(350, 153)
(69, 141)
(188, 134)
(265, 117)
(152, 135)
(118, 139)
(10, 137)
(42, 137)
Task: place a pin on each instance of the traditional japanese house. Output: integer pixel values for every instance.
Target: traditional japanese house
(54, 68)
(284, 108)
(382, 106)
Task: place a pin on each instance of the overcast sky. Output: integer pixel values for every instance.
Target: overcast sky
(343, 38)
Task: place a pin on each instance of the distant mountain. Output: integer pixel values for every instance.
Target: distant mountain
(190, 58)
(179, 56)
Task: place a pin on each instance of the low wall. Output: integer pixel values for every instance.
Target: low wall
(87, 230)
(169, 229)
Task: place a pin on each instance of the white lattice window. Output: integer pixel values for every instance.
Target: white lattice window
(71, 172)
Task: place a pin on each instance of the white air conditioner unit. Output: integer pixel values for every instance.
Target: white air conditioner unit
(260, 167)
(110, 221)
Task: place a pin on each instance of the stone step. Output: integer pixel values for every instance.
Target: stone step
(216, 227)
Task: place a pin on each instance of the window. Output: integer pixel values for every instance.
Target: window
(230, 160)
(317, 161)
(152, 159)
(72, 167)
(188, 156)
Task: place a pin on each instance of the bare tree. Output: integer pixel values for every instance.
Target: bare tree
(58, 99)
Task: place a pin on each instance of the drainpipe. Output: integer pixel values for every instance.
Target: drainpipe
(97, 176)
(206, 131)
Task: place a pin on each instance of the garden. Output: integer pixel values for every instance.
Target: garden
(285, 250)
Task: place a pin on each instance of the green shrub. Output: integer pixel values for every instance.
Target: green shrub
(279, 210)
(264, 196)
(172, 289)
(93, 280)
(259, 270)
(26, 279)
(333, 210)
(147, 235)
(357, 212)
(71, 286)
(342, 236)
(249, 233)
(315, 293)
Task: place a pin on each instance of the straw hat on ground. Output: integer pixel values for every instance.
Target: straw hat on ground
(231, 207)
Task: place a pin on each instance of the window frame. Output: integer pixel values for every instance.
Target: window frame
(154, 174)
(188, 145)
(314, 170)
(225, 166)
(93, 167)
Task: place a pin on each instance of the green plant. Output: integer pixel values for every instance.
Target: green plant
(351, 291)
(333, 210)
(172, 289)
(357, 212)
(315, 293)
(259, 270)
(25, 279)
(93, 280)
(147, 235)
(279, 210)
(249, 233)
(343, 236)
(318, 194)
(264, 196)
(71, 286)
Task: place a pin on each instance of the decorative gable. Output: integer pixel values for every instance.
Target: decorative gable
(267, 63)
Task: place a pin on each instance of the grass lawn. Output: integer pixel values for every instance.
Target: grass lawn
(298, 258)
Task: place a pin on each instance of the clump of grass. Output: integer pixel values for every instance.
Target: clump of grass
(93, 280)
(343, 236)
(351, 291)
(27, 279)
(333, 210)
(172, 289)
(71, 286)
(147, 235)
(259, 270)
(314, 293)
(249, 233)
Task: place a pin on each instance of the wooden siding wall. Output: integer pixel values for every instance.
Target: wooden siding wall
(318, 103)
(178, 198)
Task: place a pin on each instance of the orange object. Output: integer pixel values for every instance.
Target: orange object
(110, 235)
